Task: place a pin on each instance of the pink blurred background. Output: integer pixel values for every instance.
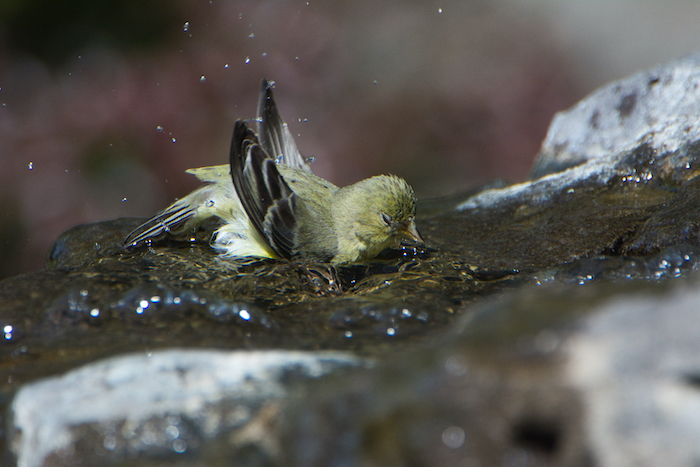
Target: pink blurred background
(105, 104)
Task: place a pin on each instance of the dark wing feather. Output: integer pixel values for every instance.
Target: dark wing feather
(280, 223)
(275, 136)
(266, 197)
(171, 220)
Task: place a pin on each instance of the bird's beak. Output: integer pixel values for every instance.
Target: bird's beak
(410, 231)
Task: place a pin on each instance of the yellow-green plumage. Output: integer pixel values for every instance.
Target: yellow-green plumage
(282, 209)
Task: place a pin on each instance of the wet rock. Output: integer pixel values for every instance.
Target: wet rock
(545, 323)
(553, 376)
(659, 107)
(677, 223)
(160, 404)
(83, 244)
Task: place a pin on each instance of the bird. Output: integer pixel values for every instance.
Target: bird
(270, 205)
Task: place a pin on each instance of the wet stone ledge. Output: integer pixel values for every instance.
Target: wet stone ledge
(551, 322)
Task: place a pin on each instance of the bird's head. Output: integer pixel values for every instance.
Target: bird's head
(384, 210)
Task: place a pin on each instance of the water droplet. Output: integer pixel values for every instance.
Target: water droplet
(159, 128)
(264, 54)
(390, 331)
(226, 66)
(7, 329)
(456, 365)
(95, 312)
(172, 432)
(439, 10)
(30, 165)
(244, 314)
(247, 60)
(453, 437)
(173, 140)
(209, 203)
(186, 27)
(179, 446)
(296, 58)
(348, 334)
(251, 35)
(124, 200)
(110, 442)
(374, 82)
(203, 79)
(309, 160)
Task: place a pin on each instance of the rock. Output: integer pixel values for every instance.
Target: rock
(539, 377)
(550, 322)
(659, 107)
(636, 364)
(157, 404)
(677, 223)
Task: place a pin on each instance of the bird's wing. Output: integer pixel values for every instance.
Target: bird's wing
(178, 218)
(275, 136)
(213, 174)
(265, 196)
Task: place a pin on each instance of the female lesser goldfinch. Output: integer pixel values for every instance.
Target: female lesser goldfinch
(272, 206)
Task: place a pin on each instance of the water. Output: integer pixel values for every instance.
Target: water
(496, 273)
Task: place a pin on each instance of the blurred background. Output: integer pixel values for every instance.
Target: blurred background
(104, 104)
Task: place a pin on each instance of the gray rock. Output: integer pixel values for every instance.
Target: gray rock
(636, 365)
(148, 396)
(659, 107)
(547, 323)
(570, 376)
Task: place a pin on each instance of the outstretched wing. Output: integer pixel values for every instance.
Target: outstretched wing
(275, 136)
(180, 217)
(265, 196)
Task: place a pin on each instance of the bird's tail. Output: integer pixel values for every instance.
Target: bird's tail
(181, 217)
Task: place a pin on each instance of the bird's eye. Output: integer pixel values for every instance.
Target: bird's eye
(386, 218)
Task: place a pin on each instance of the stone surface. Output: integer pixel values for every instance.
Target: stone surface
(135, 392)
(660, 107)
(551, 322)
(636, 364)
